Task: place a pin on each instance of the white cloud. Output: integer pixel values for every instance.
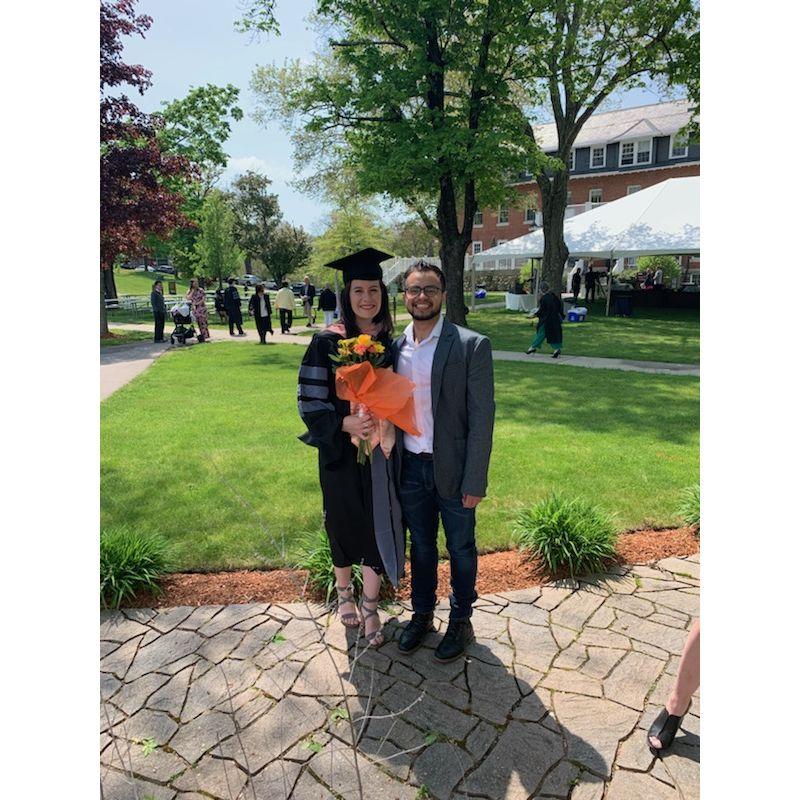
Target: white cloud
(275, 171)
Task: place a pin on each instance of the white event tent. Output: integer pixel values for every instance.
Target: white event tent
(661, 220)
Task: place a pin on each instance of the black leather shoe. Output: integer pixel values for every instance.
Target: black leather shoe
(414, 632)
(459, 635)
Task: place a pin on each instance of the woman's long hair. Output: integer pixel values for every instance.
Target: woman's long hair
(383, 319)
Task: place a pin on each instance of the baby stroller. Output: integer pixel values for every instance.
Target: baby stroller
(182, 317)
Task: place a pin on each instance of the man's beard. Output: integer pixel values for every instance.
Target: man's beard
(422, 316)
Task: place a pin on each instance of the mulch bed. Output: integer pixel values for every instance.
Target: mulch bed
(497, 572)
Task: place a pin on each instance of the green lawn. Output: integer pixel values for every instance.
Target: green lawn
(129, 281)
(202, 447)
(650, 335)
(123, 336)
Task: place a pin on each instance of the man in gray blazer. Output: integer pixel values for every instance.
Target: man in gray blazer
(444, 469)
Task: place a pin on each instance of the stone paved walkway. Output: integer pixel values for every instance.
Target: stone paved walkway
(552, 701)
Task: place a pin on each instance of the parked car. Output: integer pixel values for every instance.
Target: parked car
(248, 280)
(297, 288)
(165, 268)
(271, 286)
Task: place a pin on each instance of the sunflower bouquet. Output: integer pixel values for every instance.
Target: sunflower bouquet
(388, 397)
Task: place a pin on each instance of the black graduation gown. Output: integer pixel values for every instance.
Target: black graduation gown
(351, 513)
(551, 312)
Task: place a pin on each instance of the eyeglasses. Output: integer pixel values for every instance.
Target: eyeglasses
(428, 291)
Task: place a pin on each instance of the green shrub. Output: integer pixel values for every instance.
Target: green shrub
(689, 507)
(567, 533)
(314, 554)
(130, 562)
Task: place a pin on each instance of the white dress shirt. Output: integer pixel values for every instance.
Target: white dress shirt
(416, 362)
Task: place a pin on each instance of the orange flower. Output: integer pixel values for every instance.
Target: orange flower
(376, 347)
(360, 349)
(365, 340)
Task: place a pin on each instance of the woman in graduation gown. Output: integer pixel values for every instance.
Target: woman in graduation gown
(360, 507)
(551, 314)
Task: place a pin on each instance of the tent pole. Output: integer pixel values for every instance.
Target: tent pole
(608, 289)
(472, 271)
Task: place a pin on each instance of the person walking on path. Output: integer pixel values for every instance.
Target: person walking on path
(307, 295)
(260, 309)
(360, 508)
(159, 310)
(591, 282)
(551, 314)
(444, 469)
(233, 307)
(665, 726)
(197, 298)
(327, 304)
(576, 284)
(284, 302)
(219, 305)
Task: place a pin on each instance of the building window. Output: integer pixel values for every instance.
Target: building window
(571, 160)
(477, 247)
(502, 216)
(638, 152)
(530, 211)
(477, 220)
(595, 196)
(678, 146)
(633, 189)
(598, 157)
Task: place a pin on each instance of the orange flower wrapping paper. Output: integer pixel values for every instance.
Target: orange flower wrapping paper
(384, 394)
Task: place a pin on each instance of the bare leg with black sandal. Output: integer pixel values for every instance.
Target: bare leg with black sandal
(346, 601)
(373, 630)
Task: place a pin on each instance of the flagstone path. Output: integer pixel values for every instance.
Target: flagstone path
(262, 701)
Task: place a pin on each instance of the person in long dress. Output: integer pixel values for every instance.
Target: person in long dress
(360, 507)
(197, 297)
(551, 314)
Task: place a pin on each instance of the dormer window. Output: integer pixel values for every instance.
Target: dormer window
(639, 151)
(678, 146)
(598, 158)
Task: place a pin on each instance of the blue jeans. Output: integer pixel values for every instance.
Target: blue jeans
(422, 505)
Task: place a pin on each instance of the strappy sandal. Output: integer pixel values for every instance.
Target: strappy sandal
(664, 728)
(344, 594)
(374, 639)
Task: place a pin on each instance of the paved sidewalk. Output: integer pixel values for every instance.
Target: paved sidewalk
(553, 699)
(121, 364)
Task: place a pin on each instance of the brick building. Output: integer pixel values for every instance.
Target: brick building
(616, 153)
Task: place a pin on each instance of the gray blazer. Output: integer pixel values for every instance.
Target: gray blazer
(462, 395)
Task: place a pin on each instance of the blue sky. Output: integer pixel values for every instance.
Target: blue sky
(192, 43)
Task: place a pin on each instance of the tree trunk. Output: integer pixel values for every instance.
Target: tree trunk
(452, 254)
(554, 205)
(103, 315)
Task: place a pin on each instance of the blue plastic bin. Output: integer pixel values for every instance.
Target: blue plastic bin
(574, 316)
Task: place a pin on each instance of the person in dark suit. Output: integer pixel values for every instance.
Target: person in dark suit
(591, 283)
(576, 285)
(159, 310)
(551, 315)
(233, 307)
(307, 295)
(444, 469)
(261, 310)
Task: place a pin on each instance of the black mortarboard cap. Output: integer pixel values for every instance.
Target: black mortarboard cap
(365, 265)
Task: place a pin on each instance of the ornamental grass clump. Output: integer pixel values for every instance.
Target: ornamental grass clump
(130, 562)
(314, 555)
(568, 533)
(689, 508)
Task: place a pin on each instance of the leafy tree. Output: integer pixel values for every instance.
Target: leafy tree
(423, 101)
(411, 238)
(351, 227)
(668, 264)
(217, 253)
(257, 215)
(288, 250)
(136, 196)
(587, 49)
